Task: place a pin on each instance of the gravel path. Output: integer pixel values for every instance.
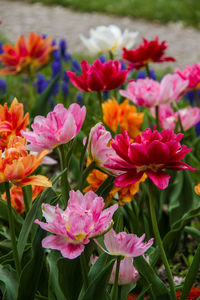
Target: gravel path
(19, 17)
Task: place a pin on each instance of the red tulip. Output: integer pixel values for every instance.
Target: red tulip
(149, 51)
(99, 76)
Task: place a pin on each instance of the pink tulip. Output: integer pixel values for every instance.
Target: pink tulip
(83, 219)
(172, 87)
(190, 116)
(149, 93)
(168, 119)
(98, 148)
(125, 244)
(151, 153)
(59, 127)
(192, 74)
(143, 92)
(127, 273)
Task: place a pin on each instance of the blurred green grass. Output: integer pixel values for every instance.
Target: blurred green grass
(185, 11)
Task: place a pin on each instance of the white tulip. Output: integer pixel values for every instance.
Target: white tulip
(108, 39)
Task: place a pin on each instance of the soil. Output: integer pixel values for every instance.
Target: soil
(21, 18)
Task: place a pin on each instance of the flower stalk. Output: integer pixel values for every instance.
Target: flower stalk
(12, 230)
(159, 241)
(115, 295)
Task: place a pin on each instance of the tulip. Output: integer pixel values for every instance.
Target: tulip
(151, 152)
(149, 51)
(83, 219)
(12, 121)
(124, 115)
(99, 76)
(16, 165)
(125, 244)
(28, 55)
(108, 39)
(59, 127)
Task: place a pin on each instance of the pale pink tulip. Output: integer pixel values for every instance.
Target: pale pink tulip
(192, 74)
(83, 219)
(125, 244)
(172, 88)
(127, 273)
(143, 92)
(168, 119)
(59, 127)
(98, 146)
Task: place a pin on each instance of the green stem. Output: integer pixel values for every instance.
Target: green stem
(85, 174)
(157, 117)
(115, 286)
(100, 105)
(180, 123)
(147, 70)
(196, 98)
(111, 56)
(159, 242)
(84, 269)
(31, 91)
(65, 187)
(26, 202)
(12, 230)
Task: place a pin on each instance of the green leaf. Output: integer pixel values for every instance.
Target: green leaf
(105, 187)
(41, 104)
(30, 275)
(193, 232)
(191, 275)
(159, 289)
(171, 238)
(181, 197)
(126, 289)
(4, 215)
(9, 283)
(69, 277)
(53, 286)
(99, 276)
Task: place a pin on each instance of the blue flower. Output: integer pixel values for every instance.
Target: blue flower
(191, 97)
(102, 59)
(76, 65)
(197, 129)
(41, 83)
(79, 99)
(63, 47)
(65, 89)
(3, 86)
(105, 95)
(1, 49)
(56, 67)
(142, 74)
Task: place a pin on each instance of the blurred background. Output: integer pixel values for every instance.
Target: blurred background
(176, 21)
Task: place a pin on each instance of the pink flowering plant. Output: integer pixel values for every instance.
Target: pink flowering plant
(115, 208)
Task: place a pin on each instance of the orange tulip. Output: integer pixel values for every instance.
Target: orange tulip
(125, 194)
(16, 164)
(17, 200)
(12, 121)
(27, 55)
(124, 115)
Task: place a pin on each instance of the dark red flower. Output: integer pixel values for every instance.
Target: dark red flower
(151, 152)
(149, 51)
(99, 76)
(194, 294)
